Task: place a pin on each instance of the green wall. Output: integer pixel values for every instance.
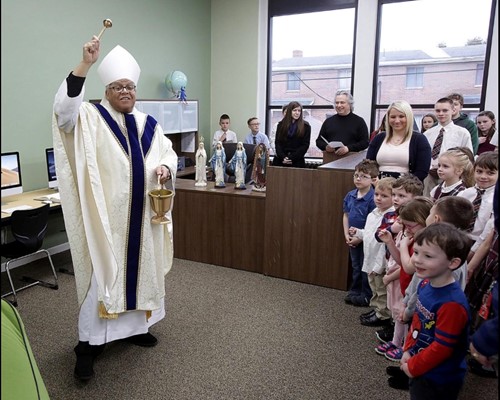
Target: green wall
(42, 42)
(236, 59)
(215, 43)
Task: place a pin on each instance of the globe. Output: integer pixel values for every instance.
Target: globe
(174, 81)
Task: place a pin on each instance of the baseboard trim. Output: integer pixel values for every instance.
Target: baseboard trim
(53, 250)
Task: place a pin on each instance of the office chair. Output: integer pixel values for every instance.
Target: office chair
(28, 229)
(230, 149)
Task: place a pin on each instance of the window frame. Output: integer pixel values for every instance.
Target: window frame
(277, 8)
(379, 108)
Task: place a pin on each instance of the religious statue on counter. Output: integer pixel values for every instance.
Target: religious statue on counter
(201, 165)
(260, 164)
(239, 166)
(218, 163)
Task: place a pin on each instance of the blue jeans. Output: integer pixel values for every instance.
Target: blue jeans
(360, 285)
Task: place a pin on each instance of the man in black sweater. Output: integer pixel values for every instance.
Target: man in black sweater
(345, 127)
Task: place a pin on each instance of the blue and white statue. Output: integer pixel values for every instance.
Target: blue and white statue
(239, 166)
(218, 163)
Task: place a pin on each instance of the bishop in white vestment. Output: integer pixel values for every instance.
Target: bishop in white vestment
(108, 157)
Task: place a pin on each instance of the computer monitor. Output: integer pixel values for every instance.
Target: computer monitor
(11, 174)
(51, 168)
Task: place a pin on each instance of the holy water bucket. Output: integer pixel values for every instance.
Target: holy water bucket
(161, 201)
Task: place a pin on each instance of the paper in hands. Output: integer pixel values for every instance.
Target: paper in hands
(334, 144)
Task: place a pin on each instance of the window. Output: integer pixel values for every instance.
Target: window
(479, 74)
(344, 79)
(424, 50)
(414, 77)
(440, 43)
(310, 58)
(293, 81)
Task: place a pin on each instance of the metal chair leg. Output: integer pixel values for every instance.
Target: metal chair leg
(13, 291)
(31, 282)
(49, 285)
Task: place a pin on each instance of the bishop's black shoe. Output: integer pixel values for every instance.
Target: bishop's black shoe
(143, 340)
(85, 356)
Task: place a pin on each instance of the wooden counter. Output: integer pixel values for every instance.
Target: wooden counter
(219, 226)
(291, 231)
(304, 234)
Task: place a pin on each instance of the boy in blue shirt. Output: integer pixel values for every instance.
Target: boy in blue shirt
(437, 341)
(358, 203)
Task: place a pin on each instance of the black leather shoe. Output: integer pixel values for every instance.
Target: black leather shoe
(385, 334)
(348, 299)
(84, 368)
(477, 369)
(143, 340)
(360, 301)
(375, 321)
(396, 372)
(399, 383)
(367, 314)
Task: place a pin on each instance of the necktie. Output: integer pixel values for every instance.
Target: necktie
(476, 204)
(437, 144)
(254, 140)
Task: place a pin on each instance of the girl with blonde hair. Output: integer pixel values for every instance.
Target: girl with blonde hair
(456, 172)
(400, 150)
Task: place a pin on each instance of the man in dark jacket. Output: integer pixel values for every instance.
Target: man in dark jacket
(462, 119)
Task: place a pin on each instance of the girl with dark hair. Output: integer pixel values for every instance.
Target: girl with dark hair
(292, 138)
(486, 128)
(428, 121)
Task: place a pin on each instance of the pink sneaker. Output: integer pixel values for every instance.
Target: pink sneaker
(383, 348)
(394, 354)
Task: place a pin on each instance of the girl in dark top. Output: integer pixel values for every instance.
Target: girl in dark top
(381, 128)
(486, 127)
(428, 121)
(292, 138)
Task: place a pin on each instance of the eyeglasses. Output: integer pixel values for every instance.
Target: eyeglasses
(410, 226)
(357, 176)
(119, 89)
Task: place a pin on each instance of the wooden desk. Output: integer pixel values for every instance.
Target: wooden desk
(186, 173)
(304, 233)
(28, 199)
(219, 226)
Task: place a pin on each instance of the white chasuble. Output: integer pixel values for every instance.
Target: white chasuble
(106, 165)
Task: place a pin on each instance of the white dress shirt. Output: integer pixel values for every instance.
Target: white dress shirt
(230, 137)
(485, 210)
(454, 136)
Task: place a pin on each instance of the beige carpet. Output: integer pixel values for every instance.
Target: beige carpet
(228, 334)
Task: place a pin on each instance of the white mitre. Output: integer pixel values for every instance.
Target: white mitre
(118, 64)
